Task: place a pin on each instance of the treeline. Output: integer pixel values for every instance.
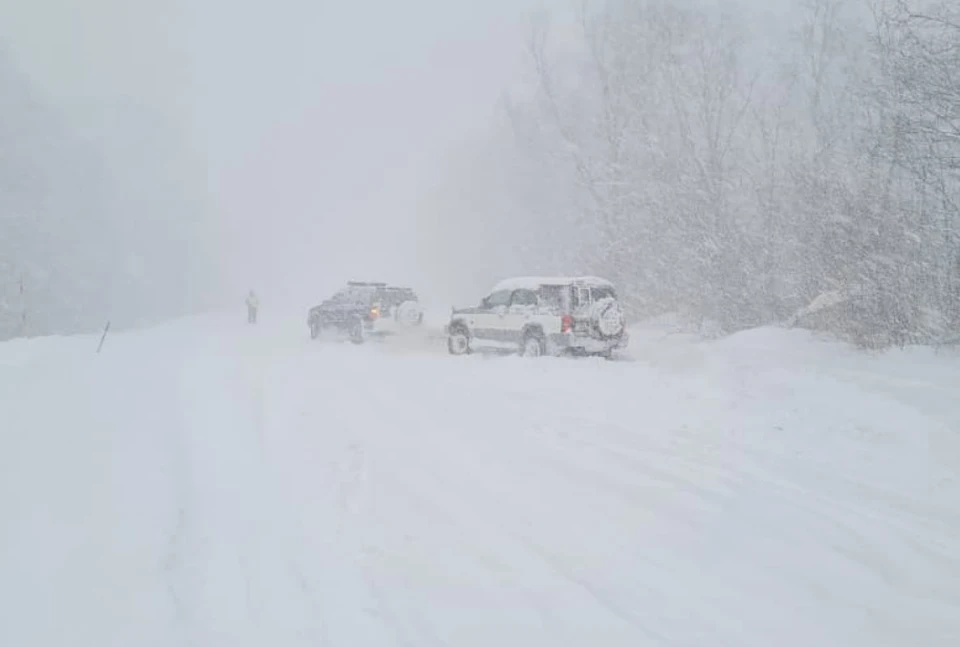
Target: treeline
(48, 200)
(94, 224)
(716, 167)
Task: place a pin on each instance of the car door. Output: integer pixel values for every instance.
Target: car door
(490, 319)
(523, 307)
(335, 308)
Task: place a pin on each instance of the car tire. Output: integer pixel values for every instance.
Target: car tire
(532, 345)
(315, 329)
(458, 341)
(408, 313)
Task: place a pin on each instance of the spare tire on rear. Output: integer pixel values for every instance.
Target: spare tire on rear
(409, 313)
(607, 317)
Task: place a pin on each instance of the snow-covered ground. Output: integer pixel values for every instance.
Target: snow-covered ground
(208, 483)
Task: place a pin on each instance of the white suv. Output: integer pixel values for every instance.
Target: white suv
(537, 316)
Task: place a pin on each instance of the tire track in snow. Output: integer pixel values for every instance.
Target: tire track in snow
(345, 434)
(553, 562)
(353, 506)
(751, 465)
(225, 569)
(450, 483)
(463, 523)
(281, 560)
(313, 561)
(400, 411)
(173, 562)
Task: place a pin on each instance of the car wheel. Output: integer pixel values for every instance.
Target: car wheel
(532, 346)
(607, 318)
(458, 342)
(314, 329)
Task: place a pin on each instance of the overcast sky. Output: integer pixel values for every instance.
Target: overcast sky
(313, 125)
(314, 121)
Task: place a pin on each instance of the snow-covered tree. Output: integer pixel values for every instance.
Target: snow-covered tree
(88, 231)
(712, 165)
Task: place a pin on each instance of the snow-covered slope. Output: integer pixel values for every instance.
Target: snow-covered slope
(207, 483)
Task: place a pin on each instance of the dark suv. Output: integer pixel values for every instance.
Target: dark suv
(361, 310)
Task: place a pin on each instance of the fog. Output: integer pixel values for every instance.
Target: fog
(724, 160)
(321, 122)
(297, 134)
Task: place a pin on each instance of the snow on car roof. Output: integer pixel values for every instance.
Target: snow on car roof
(534, 282)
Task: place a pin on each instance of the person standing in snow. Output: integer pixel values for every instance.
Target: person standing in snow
(252, 304)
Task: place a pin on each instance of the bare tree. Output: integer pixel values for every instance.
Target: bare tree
(918, 97)
(667, 151)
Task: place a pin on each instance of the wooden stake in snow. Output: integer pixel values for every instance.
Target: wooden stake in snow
(106, 329)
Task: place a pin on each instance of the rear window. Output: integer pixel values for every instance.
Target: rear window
(358, 295)
(603, 293)
(395, 297)
(583, 296)
(553, 296)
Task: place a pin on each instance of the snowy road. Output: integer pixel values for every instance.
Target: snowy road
(211, 484)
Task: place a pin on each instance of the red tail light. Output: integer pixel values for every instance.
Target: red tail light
(375, 312)
(566, 324)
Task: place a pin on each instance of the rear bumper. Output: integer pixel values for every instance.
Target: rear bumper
(347, 324)
(587, 344)
(380, 326)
